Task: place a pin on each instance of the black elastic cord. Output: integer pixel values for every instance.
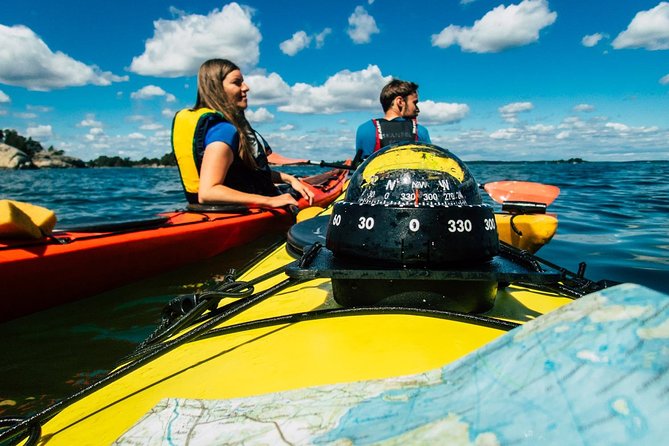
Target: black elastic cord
(46, 414)
(485, 321)
(32, 431)
(573, 285)
(176, 316)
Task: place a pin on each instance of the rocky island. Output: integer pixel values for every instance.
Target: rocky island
(17, 152)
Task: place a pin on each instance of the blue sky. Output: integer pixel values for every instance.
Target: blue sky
(501, 80)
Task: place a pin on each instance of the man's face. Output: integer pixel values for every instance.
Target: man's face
(409, 106)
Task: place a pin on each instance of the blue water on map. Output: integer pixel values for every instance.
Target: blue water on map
(613, 216)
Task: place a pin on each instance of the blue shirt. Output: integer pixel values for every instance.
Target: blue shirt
(223, 132)
(365, 137)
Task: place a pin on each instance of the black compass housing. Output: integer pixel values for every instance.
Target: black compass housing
(428, 214)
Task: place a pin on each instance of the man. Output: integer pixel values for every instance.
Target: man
(399, 100)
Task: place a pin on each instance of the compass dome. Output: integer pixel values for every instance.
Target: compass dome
(413, 204)
(413, 175)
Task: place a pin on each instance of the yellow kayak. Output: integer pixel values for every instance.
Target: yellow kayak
(271, 356)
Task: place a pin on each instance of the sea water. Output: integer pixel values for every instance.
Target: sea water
(613, 216)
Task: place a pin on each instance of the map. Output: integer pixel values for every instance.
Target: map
(592, 372)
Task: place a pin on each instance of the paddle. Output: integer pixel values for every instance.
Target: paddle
(280, 160)
(503, 191)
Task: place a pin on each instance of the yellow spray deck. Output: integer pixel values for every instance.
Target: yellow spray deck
(311, 349)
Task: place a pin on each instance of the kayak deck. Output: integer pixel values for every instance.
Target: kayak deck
(251, 354)
(590, 373)
(37, 274)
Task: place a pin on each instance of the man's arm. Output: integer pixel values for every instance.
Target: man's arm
(365, 138)
(423, 134)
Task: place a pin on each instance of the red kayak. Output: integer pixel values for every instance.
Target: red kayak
(77, 263)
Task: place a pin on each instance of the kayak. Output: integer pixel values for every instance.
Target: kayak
(285, 363)
(271, 355)
(79, 262)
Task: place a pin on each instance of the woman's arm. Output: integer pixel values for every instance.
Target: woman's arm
(295, 183)
(216, 162)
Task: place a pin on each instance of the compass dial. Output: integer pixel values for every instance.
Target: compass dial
(413, 204)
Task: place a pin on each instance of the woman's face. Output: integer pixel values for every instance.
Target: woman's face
(235, 88)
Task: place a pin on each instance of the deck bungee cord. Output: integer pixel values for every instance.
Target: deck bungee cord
(31, 423)
(192, 309)
(571, 284)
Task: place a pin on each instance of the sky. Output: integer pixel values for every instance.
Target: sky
(499, 80)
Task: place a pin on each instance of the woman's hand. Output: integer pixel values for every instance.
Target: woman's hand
(302, 189)
(280, 201)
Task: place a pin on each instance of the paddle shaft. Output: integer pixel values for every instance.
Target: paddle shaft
(334, 165)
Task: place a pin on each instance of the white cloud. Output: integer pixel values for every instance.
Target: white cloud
(152, 91)
(151, 126)
(136, 136)
(26, 61)
(344, 91)
(510, 111)
(341, 92)
(178, 47)
(361, 26)
(39, 132)
(591, 39)
(605, 140)
(89, 121)
(267, 89)
(584, 108)
(442, 112)
(618, 127)
(572, 122)
(4, 98)
(664, 80)
(320, 37)
(39, 108)
(259, 115)
(295, 44)
(287, 128)
(96, 135)
(625, 129)
(540, 128)
(300, 40)
(508, 133)
(648, 29)
(25, 115)
(499, 29)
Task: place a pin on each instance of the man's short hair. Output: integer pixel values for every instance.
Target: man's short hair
(394, 88)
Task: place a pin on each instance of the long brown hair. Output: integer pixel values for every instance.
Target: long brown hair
(210, 94)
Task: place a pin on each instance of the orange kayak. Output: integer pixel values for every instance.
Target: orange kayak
(77, 263)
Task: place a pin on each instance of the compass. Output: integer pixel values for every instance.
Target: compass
(413, 204)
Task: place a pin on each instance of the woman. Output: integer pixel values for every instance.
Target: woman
(221, 158)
